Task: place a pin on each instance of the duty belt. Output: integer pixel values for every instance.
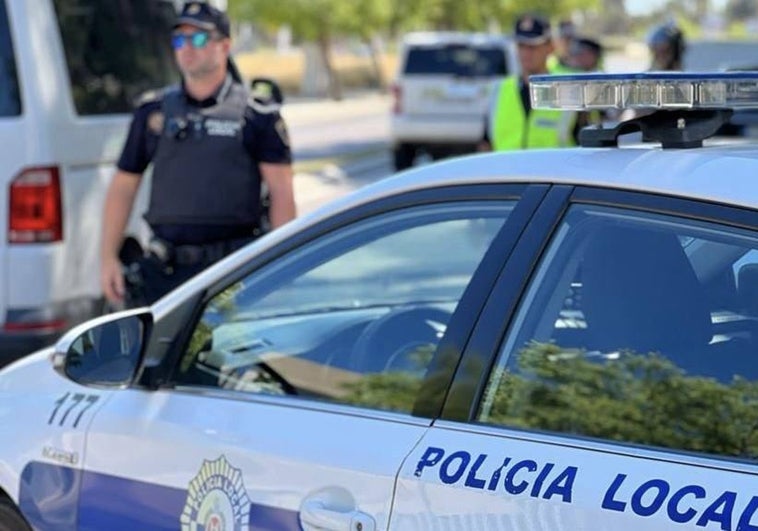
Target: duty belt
(170, 254)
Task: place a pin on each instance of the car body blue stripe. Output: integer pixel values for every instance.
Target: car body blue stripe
(48, 500)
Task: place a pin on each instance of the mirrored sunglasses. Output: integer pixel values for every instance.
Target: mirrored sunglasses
(198, 39)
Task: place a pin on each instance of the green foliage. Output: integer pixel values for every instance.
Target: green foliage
(642, 399)
(393, 390)
(636, 398)
(314, 19)
(311, 19)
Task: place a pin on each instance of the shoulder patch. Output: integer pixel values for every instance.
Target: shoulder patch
(155, 121)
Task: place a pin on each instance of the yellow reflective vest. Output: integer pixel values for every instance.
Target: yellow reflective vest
(509, 127)
(554, 66)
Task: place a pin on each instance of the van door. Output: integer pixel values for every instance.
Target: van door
(81, 66)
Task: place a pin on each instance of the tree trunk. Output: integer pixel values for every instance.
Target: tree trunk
(375, 52)
(335, 87)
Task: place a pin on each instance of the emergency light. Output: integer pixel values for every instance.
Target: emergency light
(679, 109)
(649, 90)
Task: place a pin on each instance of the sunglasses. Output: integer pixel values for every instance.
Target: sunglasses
(199, 39)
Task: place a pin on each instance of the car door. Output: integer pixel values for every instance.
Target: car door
(292, 397)
(616, 391)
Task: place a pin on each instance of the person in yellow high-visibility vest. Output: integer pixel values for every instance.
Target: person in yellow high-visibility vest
(511, 122)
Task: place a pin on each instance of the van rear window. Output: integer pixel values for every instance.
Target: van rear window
(115, 50)
(458, 60)
(10, 99)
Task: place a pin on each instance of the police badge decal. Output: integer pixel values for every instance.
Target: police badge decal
(216, 499)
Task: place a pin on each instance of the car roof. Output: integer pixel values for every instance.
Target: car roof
(429, 38)
(718, 173)
(722, 173)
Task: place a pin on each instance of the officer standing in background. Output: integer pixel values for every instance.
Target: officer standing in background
(666, 44)
(586, 54)
(560, 62)
(511, 122)
(212, 146)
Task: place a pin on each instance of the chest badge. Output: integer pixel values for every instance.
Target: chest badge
(216, 499)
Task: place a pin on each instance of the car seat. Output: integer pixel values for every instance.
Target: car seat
(640, 293)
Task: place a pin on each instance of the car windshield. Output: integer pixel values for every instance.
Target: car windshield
(458, 60)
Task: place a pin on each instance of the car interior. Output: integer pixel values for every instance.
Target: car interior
(632, 288)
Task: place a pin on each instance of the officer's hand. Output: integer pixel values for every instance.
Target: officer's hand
(112, 280)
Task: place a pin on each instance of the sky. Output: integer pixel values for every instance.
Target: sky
(640, 7)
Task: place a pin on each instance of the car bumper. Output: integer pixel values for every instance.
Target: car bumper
(452, 129)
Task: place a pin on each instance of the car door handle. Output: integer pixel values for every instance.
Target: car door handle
(316, 516)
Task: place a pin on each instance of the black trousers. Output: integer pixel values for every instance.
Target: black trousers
(151, 279)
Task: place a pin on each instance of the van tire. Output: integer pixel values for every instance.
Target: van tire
(403, 156)
(11, 519)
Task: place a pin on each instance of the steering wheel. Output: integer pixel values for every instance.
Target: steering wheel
(389, 342)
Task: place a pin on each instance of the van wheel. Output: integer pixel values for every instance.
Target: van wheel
(11, 519)
(404, 155)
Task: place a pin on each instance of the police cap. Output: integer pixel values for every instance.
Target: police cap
(586, 43)
(532, 30)
(204, 16)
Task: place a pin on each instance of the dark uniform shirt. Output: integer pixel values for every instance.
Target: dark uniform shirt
(264, 136)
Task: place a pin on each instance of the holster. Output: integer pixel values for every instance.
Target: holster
(134, 296)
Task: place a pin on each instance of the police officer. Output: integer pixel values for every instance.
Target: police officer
(511, 122)
(666, 44)
(559, 62)
(212, 146)
(586, 54)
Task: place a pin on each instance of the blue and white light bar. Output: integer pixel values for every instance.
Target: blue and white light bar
(649, 90)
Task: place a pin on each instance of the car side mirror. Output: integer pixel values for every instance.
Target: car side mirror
(106, 351)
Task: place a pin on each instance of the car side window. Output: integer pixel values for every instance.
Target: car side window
(351, 317)
(636, 329)
(10, 97)
(115, 51)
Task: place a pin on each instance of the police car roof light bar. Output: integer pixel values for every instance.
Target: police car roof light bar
(689, 107)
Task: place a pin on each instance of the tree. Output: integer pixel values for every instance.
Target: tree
(317, 21)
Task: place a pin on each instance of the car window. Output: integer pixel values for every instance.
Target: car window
(10, 99)
(457, 59)
(637, 328)
(352, 317)
(115, 50)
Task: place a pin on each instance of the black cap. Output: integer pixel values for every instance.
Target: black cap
(204, 16)
(588, 43)
(532, 30)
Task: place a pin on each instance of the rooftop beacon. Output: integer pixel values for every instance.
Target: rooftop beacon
(678, 109)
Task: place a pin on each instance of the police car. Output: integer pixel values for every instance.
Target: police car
(535, 340)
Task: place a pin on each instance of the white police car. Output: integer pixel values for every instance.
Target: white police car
(537, 340)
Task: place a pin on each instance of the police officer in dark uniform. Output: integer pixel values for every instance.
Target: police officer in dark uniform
(666, 44)
(212, 145)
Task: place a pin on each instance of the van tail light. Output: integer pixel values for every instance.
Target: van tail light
(35, 206)
(397, 95)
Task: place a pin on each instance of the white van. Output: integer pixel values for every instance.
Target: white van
(69, 73)
(442, 92)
